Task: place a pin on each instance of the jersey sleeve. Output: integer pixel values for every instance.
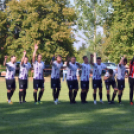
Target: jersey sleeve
(104, 66)
(107, 74)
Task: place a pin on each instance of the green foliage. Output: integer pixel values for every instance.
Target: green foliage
(47, 23)
(120, 31)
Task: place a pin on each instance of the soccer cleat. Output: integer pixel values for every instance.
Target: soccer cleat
(10, 102)
(84, 102)
(55, 102)
(20, 102)
(101, 102)
(112, 102)
(36, 103)
(131, 103)
(39, 102)
(95, 102)
(24, 101)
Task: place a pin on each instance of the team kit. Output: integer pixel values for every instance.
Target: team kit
(72, 82)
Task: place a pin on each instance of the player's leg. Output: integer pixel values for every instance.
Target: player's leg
(9, 96)
(63, 76)
(24, 90)
(75, 87)
(108, 91)
(58, 85)
(100, 90)
(53, 87)
(70, 86)
(95, 90)
(114, 94)
(13, 86)
(131, 90)
(21, 95)
(35, 86)
(40, 95)
(41, 86)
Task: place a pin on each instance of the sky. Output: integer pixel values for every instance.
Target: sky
(78, 44)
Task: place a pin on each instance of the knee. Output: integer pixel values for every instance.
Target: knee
(42, 89)
(35, 91)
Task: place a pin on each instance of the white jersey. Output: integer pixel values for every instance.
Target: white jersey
(71, 71)
(38, 70)
(11, 69)
(121, 72)
(110, 79)
(85, 72)
(98, 71)
(55, 74)
(24, 68)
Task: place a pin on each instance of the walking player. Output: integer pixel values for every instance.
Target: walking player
(25, 66)
(10, 80)
(38, 79)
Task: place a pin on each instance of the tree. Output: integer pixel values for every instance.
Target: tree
(120, 31)
(47, 23)
(92, 14)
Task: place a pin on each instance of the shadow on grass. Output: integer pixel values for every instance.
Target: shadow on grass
(66, 118)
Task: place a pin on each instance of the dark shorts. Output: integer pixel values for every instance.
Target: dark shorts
(121, 84)
(97, 84)
(85, 85)
(72, 84)
(23, 84)
(10, 84)
(110, 83)
(38, 84)
(55, 83)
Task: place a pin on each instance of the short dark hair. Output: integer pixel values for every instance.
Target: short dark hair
(38, 55)
(73, 57)
(98, 58)
(84, 57)
(125, 60)
(59, 56)
(26, 57)
(110, 71)
(13, 56)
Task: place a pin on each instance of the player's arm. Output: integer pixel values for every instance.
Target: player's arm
(122, 59)
(34, 53)
(5, 61)
(22, 60)
(106, 77)
(52, 61)
(79, 65)
(91, 59)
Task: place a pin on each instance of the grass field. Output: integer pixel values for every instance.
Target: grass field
(64, 118)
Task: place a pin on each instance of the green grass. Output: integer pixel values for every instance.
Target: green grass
(64, 118)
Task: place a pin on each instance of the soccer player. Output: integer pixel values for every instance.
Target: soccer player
(55, 77)
(38, 79)
(131, 80)
(10, 80)
(97, 81)
(25, 66)
(109, 79)
(121, 77)
(72, 82)
(85, 79)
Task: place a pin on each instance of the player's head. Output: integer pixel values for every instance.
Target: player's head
(13, 59)
(110, 71)
(85, 59)
(98, 60)
(39, 57)
(125, 61)
(26, 59)
(59, 58)
(73, 60)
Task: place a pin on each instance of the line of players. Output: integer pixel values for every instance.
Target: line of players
(72, 66)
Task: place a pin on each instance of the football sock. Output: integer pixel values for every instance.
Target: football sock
(9, 96)
(100, 94)
(54, 94)
(12, 93)
(75, 93)
(85, 94)
(70, 96)
(82, 96)
(24, 95)
(20, 95)
(35, 96)
(131, 96)
(108, 97)
(119, 97)
(94, 95)
(57, 93)
(40, 95)
(113, 96)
